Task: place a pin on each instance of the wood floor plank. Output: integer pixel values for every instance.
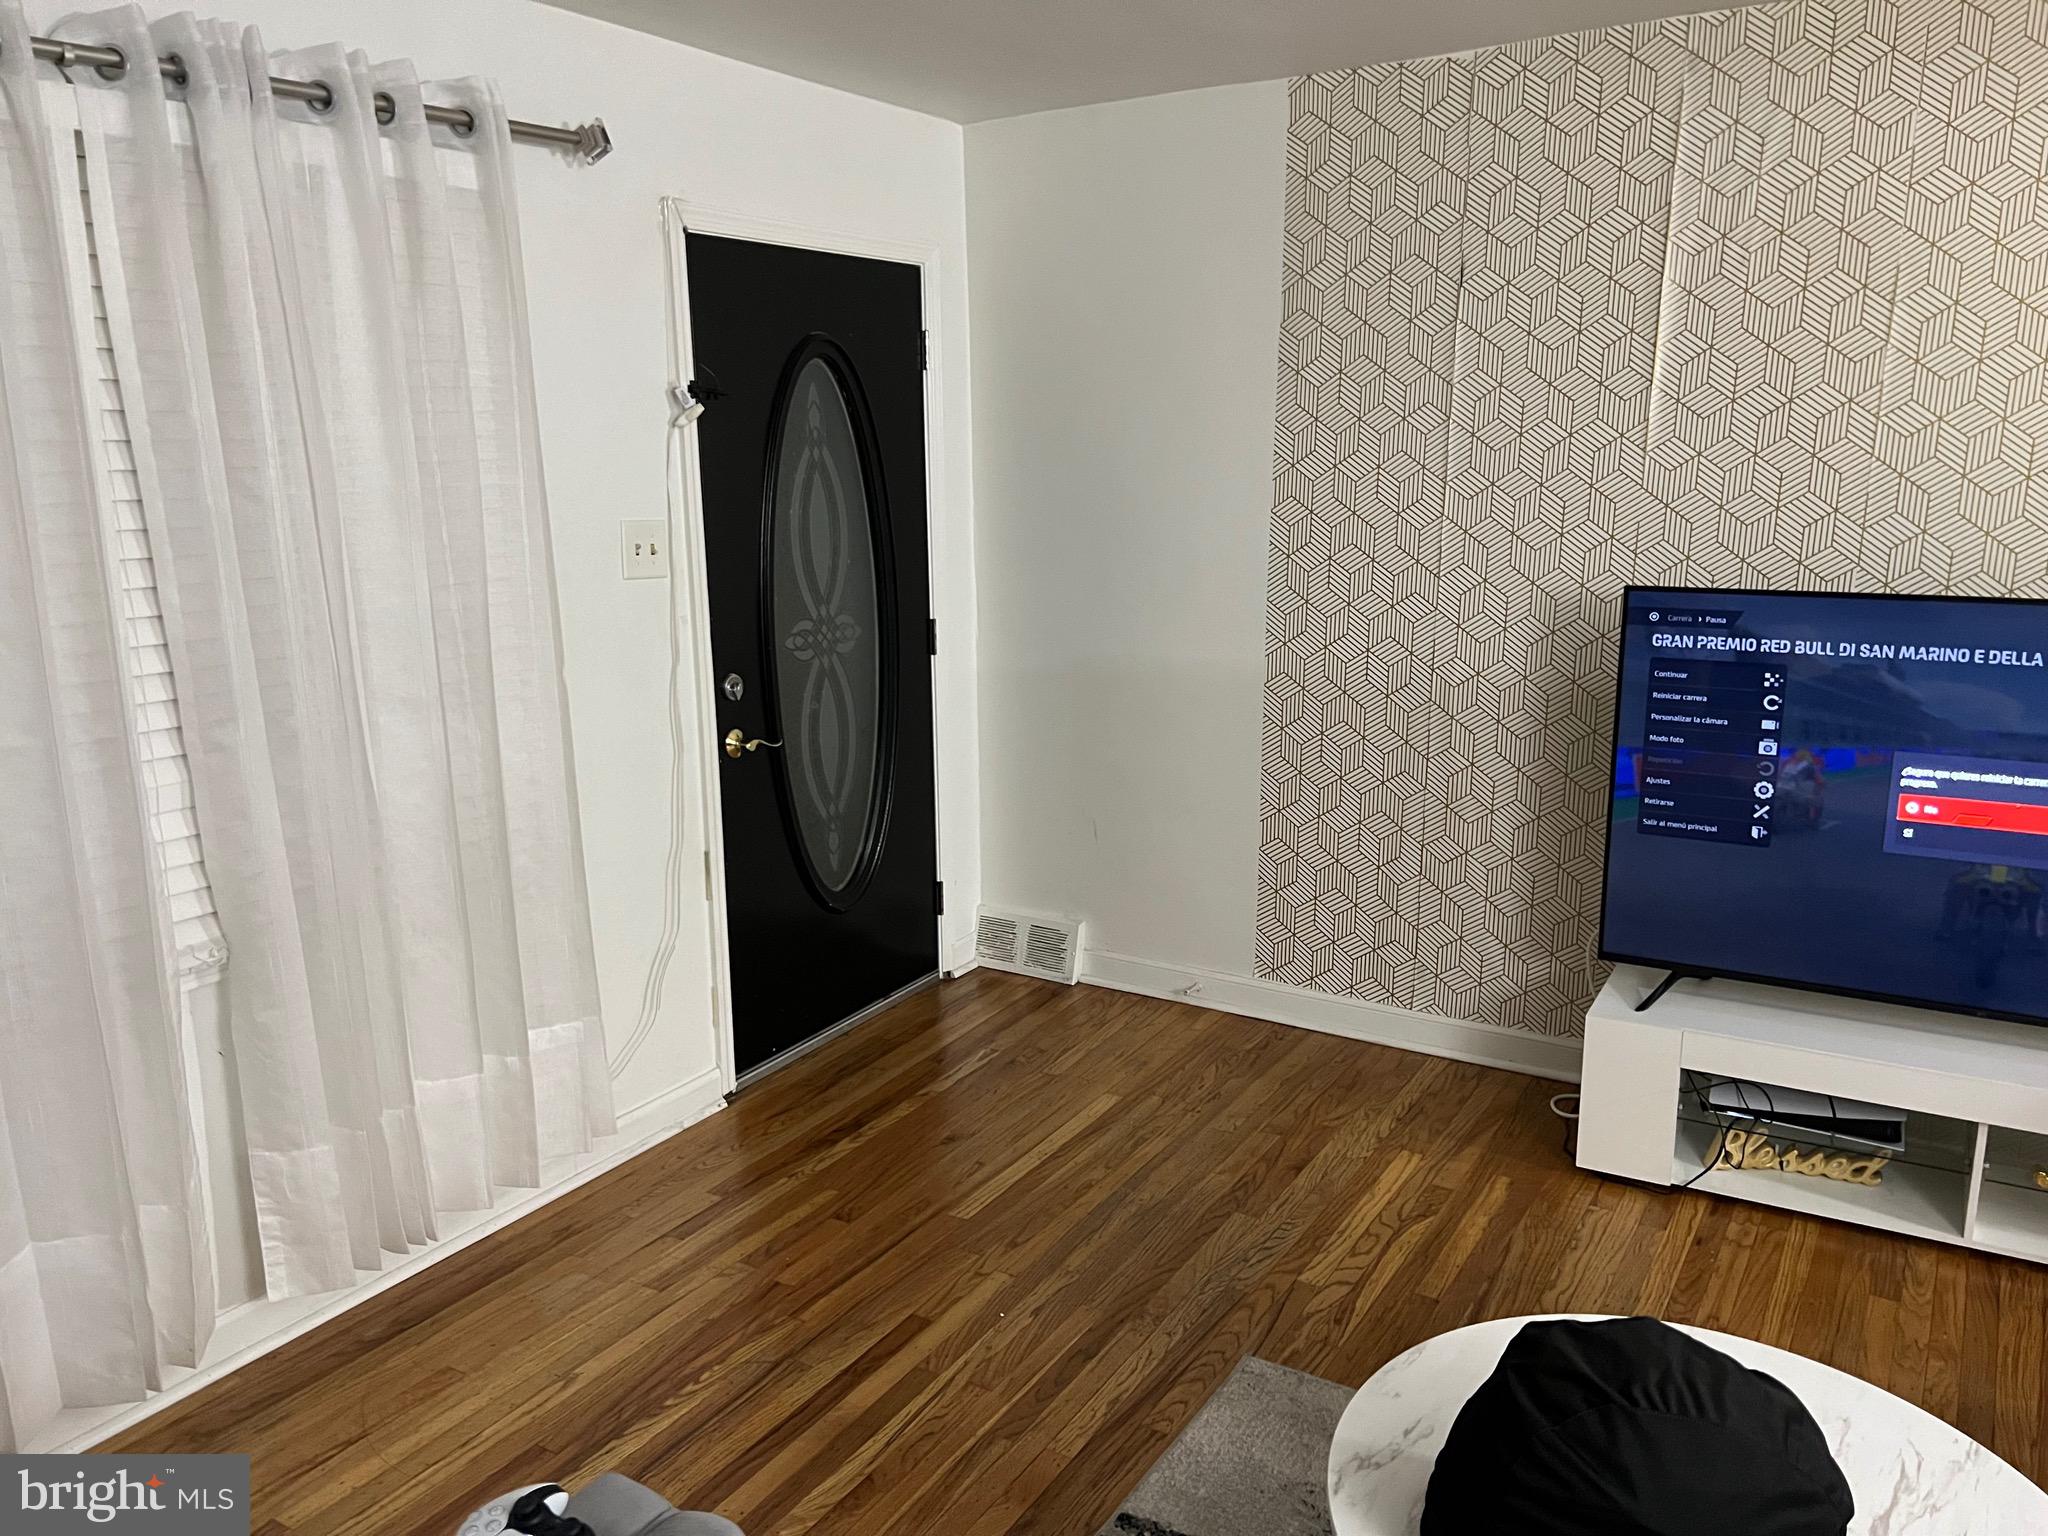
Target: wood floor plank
(973, 1266)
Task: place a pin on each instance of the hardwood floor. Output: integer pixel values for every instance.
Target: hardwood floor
(970, 1269)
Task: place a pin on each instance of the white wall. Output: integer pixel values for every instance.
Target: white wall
(1127, 309)
(1121, 525)
(737, 138)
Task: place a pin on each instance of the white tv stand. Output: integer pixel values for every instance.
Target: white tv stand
(1982, 1081)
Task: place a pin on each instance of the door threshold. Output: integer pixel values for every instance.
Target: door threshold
(783, 1058)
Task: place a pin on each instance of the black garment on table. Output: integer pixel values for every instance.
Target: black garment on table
(1629, 1427)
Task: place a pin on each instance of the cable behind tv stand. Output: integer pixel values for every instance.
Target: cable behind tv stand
(1975, 1090)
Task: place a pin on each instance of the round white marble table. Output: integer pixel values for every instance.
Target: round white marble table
(1911, 1474)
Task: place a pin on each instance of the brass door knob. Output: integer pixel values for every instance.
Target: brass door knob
(736, 742)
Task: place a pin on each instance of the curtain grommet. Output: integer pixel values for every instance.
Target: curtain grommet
(115, 70)
(324, 103)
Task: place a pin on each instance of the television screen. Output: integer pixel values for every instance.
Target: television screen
(1839, 792)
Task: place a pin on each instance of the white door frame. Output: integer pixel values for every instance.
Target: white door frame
(680, 218)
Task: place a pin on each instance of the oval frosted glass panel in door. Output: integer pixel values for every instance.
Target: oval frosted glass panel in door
(825, 623)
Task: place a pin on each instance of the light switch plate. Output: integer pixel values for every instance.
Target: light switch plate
(643, 547)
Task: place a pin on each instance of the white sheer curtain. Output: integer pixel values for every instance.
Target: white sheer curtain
(320, 328)
(105, 1277)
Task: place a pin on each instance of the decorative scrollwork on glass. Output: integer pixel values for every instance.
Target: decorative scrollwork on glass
(825, 609)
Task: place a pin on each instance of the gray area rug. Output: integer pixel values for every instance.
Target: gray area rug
(1253, 1462)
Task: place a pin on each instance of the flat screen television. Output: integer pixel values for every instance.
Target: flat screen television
(1840, 792)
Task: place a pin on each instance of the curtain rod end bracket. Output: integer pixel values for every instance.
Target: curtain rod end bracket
(593, 141)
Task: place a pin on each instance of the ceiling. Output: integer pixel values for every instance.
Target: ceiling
(975, 59)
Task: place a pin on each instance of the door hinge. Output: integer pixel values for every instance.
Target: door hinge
(931, 636)
(924, 349)
(939, 897)
(707, 874)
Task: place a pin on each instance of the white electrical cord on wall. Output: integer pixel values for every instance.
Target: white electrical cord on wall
(683, 413)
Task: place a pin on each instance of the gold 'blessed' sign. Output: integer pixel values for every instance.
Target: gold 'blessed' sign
(1752, 1149)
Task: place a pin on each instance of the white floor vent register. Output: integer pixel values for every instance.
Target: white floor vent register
(1029, 944)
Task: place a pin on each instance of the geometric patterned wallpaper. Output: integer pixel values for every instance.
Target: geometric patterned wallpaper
(1754, 298)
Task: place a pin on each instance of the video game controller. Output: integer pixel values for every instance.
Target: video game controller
(539, 1509)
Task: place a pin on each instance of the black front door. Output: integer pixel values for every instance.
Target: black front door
(811, 448)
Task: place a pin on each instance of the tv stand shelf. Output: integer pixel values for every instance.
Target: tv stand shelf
(1988, 1075)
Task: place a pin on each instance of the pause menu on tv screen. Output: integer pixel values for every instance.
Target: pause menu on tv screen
(1840, 791)
(1711, 737)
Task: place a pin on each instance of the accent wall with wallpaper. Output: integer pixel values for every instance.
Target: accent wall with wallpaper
(1758, 297)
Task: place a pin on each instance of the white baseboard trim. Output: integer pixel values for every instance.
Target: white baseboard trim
(669, 1111)
(255, 1328)
(1352, 1017)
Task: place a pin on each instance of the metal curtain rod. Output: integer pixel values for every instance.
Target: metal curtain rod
(590, 141)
